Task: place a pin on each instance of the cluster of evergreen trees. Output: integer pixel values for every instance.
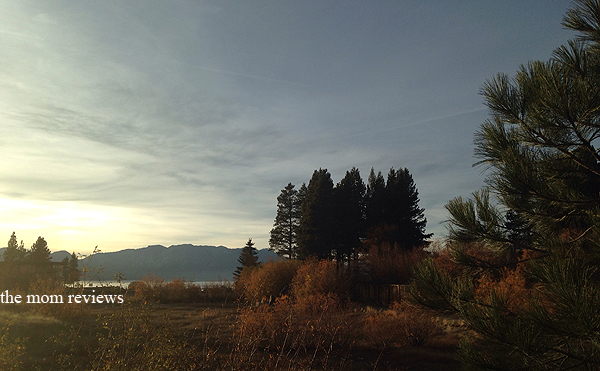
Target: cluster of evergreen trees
(39, 254)
(332, 221)
(36, 261)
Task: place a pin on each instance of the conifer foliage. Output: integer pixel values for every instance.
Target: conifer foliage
(248, 258)
(540, 149)
(393, 211)
(15, 252)
(285, 229)
(22, 266)
(317, 224)
(349, 206)
(71, 272)
(39, 253)
(332, 222)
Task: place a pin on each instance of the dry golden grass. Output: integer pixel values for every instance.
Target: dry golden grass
(330, 335)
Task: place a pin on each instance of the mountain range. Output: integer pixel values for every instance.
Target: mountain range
(192, 262)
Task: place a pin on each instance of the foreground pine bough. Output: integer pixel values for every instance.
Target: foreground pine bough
(539, 149)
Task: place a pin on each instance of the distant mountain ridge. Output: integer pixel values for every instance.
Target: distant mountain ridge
(192, 262)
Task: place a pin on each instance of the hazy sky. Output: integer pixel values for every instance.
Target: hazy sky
(129, 123)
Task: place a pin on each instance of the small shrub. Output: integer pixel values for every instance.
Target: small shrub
(511, 285)
(176, 291)
(403, 325)
(268, 281)
(153, 289)
(147, 289)
(288, 326)
(319, 278)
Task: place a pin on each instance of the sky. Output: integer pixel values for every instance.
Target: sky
(132, 123)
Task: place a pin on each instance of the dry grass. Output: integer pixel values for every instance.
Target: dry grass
(153, 289)
(329, 335)
(177, 326)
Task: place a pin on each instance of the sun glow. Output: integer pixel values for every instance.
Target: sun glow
(65, 225)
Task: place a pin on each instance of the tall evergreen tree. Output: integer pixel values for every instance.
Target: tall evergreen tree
(39, 253)
(65, 269)
(317, 225)
(540, 150)
(349, 206)
(248, 258)
(403, 212)
(392, 210)
(375, 200)
(283, 238)
(301, 195)
(71, 272)
(14, 252)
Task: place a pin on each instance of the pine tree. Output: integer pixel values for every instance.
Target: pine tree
(14, 252)
(403, 211)
(75, 273)
(375, 200)
(349, 206)
(392, 211)
(301, 196)
(71, 272)
(248, 258)
(65, 269)
(39, 253)
(283, 238)
(539, 149)
(316, 235)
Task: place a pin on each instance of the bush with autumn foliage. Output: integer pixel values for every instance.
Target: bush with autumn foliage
(504, 276)
(315, 316)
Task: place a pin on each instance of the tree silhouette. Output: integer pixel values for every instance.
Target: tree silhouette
(14, 252)
(375, 200)
(316, 233)
(403, 211)
(349, 206)
(393, 214)
(248, 258)
(71, 272)
(39, 253)
(283, 238)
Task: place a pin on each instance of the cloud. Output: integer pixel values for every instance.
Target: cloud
(181, 122)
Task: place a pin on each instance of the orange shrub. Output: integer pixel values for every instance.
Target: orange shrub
(403, 325)
(319, 277)
(148, 288)
(291, 326)
(268, 281)
(510, 284)
(214, 292)
(444, 261)
(177, 290)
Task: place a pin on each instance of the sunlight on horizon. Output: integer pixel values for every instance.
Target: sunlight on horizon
(67, 226)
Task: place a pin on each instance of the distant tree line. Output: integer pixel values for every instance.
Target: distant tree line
(21, 266)
(332, 221)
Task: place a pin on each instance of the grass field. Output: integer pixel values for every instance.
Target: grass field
(202, 336)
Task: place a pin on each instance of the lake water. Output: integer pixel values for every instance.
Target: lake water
(125, 283)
